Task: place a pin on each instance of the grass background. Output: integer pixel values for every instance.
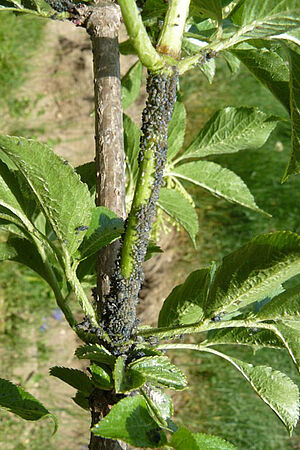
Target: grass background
(219, 400)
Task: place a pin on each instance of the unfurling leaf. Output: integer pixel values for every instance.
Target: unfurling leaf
(126, 379)
(160, 406)
(130, 421)
(101, 376)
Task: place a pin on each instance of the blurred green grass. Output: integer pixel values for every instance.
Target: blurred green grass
(20, 36)
(219, 400)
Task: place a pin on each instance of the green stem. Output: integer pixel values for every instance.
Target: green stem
(172, 332)
(170, 39)
(139, 37)
(79, 291)
(61, 302)
(152, 157)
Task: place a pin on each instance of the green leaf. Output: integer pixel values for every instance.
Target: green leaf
(95, 352)
(152, 249)
(126, 380)
(290, 337)
(294, 162)
(257, 19)
(37, 7)
(65, 200)
(285, 306)
(269, 68)
(254, 271)
(81, 400)
(126, 48)
(207, 8)
(159, 404)
(87, 173)
(231, 130)
(273, 387)
(159, 370)
(177, 207)
(74, 377)
(130, 421)
(232, 61)
(253, 337)
(104, 228)
(131, 84)
(26, 253)
(184, 305)
(16, 400)
(132, 136)
(219, 181)
(11, 197)
(101, 376)
(176, 130)
(184, 439)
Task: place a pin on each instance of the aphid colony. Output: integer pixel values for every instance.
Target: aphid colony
(61, 5)
(119, 308)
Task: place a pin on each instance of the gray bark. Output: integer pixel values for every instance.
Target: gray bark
(103, 26)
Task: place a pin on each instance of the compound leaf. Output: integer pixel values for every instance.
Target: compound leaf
(254, 271)
(130, 421)
(131, 84)
(65, 200)
(159, 370)
(74, 377)
(184, 305)
(16, 400)
(231, 130)
(183, 439)
(177, 207)
(217, 180)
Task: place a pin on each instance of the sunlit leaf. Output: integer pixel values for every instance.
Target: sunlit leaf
(231, 130)
(184, 305)
(176, 206)
(184, 439)
(130, 421)
(131, 84)
(254, 271)
(219, 181)
(16, 400)
(159, 370)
